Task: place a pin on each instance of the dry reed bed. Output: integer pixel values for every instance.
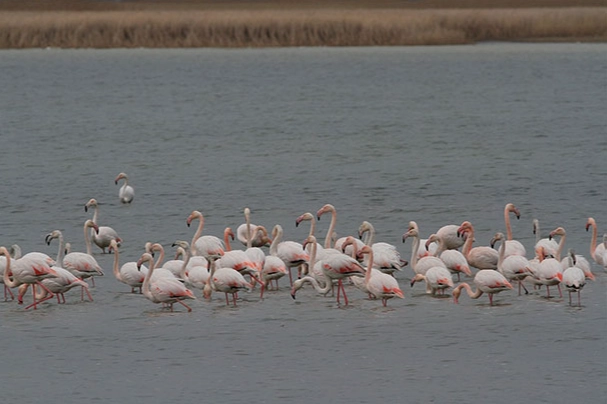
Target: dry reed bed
(170, 29)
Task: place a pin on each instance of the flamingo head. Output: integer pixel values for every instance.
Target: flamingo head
(497, 237)
(327, 208)
(305, 216)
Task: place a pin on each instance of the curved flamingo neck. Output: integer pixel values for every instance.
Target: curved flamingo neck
(414, 248)
(145, 287)
(226, 238)
(370, 238)
(507, 211)
(198, 232)
(160, 249)
(247, 217)
(473, 295)
(369, 253)
(6, 278)
(61, 250)
(87, 238)
(594, 238)
(116, 270)
(467, 247)
(186, 259)
(329, 236)
(559, 250)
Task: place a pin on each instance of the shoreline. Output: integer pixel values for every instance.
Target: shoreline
(195, 28)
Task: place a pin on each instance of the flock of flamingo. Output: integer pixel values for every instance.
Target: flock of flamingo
(210, 264)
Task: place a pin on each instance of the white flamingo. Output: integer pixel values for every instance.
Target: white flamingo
(454, 260)
(550, 246)
(128, 273)
(104, 234)
(65, 280)
(84, 265)
(126, 193)
(574, 278)
(245, 230)
(598, 252)
(386, 257)
(513, 247)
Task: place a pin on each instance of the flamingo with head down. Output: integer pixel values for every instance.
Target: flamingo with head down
(486, 281)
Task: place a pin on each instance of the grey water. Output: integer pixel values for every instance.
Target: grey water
(437, 135)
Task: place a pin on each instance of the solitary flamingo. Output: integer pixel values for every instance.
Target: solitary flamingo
(126, 193)
(598, 252)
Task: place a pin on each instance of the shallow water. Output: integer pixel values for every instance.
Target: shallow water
(438, 135)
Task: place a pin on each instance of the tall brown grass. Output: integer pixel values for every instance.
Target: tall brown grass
(170, 29)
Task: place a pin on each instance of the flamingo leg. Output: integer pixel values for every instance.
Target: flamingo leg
(234, 298)
(579, 299)
(558, 286)
(569, 298)
(227, 300)
(49, 296)
(547, 291)
(10, 292)
(490, 299)
(290, 276)
(88, 293)
(184, 305)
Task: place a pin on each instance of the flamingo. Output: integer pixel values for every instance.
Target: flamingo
(28, 271)
(448, 234)
(486, 281)
(245, 230)
(290, 252)
(420, 265)
(274, 267)
(574, 278)
(481, 257)
(513, 267)
(437, 280)
(548, 272)
(7, 290)
(205, 245)
(226, 280)
(196, 275)
(385, 256)
(105, 234)
(513, 247)
(379, 284)
(163, 289)
(326, 209)
(454, 260)
(128, 273)
(126, 192)
(65, 280)
(578, 261)
(83, 265)
(160, 271)
(598, 252)
(550, 246)
(335, 267)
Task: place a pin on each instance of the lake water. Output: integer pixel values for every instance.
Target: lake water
(438, 135)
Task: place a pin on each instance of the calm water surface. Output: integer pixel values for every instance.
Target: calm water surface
(438, 135)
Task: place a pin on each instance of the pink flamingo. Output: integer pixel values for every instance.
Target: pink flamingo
(379, 284)
(163, 289)
(454, 260)
(28, 271)
(550, 246)
(437, 280)
(226, 280)
(83, 265)
(548, 272)
(126, 193)
(513, 267)
(204, 245)
(290, 252)
(335, 267)
(486, 281)
(481, 257)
